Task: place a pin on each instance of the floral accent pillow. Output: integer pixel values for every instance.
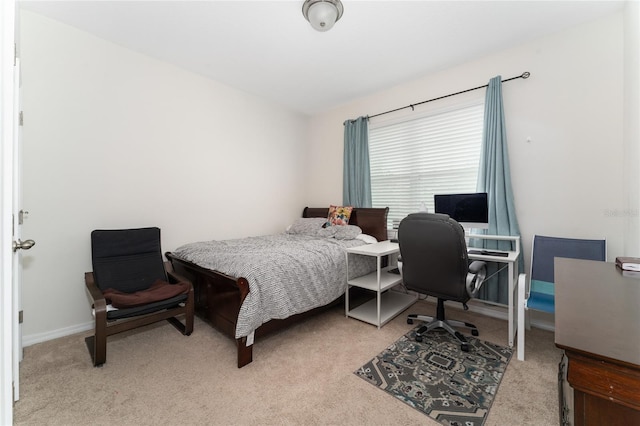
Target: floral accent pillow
(339, 215)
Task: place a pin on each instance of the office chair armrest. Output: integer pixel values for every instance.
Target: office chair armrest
(477, 266)
(475, 277)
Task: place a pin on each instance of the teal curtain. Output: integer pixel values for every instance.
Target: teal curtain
(494, 178)
(356, 182)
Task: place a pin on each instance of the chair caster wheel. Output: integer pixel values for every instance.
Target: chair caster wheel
(474, 332)
(409, 321)
(464, 347)
(418, 339)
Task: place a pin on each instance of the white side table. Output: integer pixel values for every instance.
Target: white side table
(387, 303)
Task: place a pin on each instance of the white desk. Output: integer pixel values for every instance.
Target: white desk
(380, 310)
(511, 260)
(387, 304)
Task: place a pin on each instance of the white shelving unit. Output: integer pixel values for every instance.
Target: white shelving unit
(388, 303)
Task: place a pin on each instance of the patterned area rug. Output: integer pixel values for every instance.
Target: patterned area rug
(437, 378)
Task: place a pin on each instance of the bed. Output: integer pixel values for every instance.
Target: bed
(220, 297)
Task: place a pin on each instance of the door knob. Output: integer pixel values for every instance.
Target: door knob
(24, 245)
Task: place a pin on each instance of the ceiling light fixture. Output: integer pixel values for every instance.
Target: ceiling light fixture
(322, 14)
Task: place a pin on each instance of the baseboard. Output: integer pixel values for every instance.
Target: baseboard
(32, 339)
(477, 306)
(542, 320)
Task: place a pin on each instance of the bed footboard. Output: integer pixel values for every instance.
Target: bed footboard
(218, 298)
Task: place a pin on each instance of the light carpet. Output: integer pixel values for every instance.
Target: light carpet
(302, 375)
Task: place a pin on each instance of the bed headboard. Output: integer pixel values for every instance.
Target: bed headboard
(373, 221)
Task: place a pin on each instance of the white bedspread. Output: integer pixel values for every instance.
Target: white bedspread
(287, 274)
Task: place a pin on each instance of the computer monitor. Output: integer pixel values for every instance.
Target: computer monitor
(470, 210)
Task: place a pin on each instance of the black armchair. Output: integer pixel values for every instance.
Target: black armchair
(435, 262)
(130, 276)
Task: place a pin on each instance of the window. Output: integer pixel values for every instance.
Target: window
(414, 159)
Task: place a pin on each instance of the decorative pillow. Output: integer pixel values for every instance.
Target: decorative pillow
(306, 225)
(347, 232)
(339, 215)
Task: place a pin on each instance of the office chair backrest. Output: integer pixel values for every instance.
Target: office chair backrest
(434, 256)
(545, 249)
(127, 260)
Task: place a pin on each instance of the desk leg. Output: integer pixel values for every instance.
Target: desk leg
(513, 271)
(346, 294)
(521, 291)
(378, 295)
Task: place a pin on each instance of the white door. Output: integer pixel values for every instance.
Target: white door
(17, 244)
(7, 118)
(10, 244)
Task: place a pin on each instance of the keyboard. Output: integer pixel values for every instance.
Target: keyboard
(489, 253)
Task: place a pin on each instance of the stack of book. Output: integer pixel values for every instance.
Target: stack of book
(630, 266)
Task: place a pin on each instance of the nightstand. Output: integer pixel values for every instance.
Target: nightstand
(387, 303)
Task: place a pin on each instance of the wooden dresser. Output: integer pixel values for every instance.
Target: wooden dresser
(597, 324)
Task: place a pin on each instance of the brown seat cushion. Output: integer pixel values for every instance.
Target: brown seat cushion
(159, 290)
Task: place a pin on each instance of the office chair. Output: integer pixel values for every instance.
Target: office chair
(435, 263)
(540, 294)
(130, 286)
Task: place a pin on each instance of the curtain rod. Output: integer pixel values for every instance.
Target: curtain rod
(525, 75)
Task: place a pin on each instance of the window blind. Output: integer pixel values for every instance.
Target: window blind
(413, 160)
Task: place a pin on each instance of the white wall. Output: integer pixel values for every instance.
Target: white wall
(568, 181)
(632, 125)
(116, 139)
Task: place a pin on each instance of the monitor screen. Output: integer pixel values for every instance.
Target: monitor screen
(470, 210)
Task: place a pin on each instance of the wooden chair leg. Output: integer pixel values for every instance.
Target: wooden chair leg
(189, 314)
(100, 339)
(97, 344)
(185, 328)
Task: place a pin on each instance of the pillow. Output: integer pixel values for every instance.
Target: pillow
(369, 239)
(339, 215)
(328, 232)
(306, 225)
(346, 232)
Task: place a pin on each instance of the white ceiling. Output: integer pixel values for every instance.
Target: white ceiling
(267, 48)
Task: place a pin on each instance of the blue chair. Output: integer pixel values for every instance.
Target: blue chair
(540, 296)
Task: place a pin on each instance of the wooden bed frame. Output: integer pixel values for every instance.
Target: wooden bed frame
(218, 297)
